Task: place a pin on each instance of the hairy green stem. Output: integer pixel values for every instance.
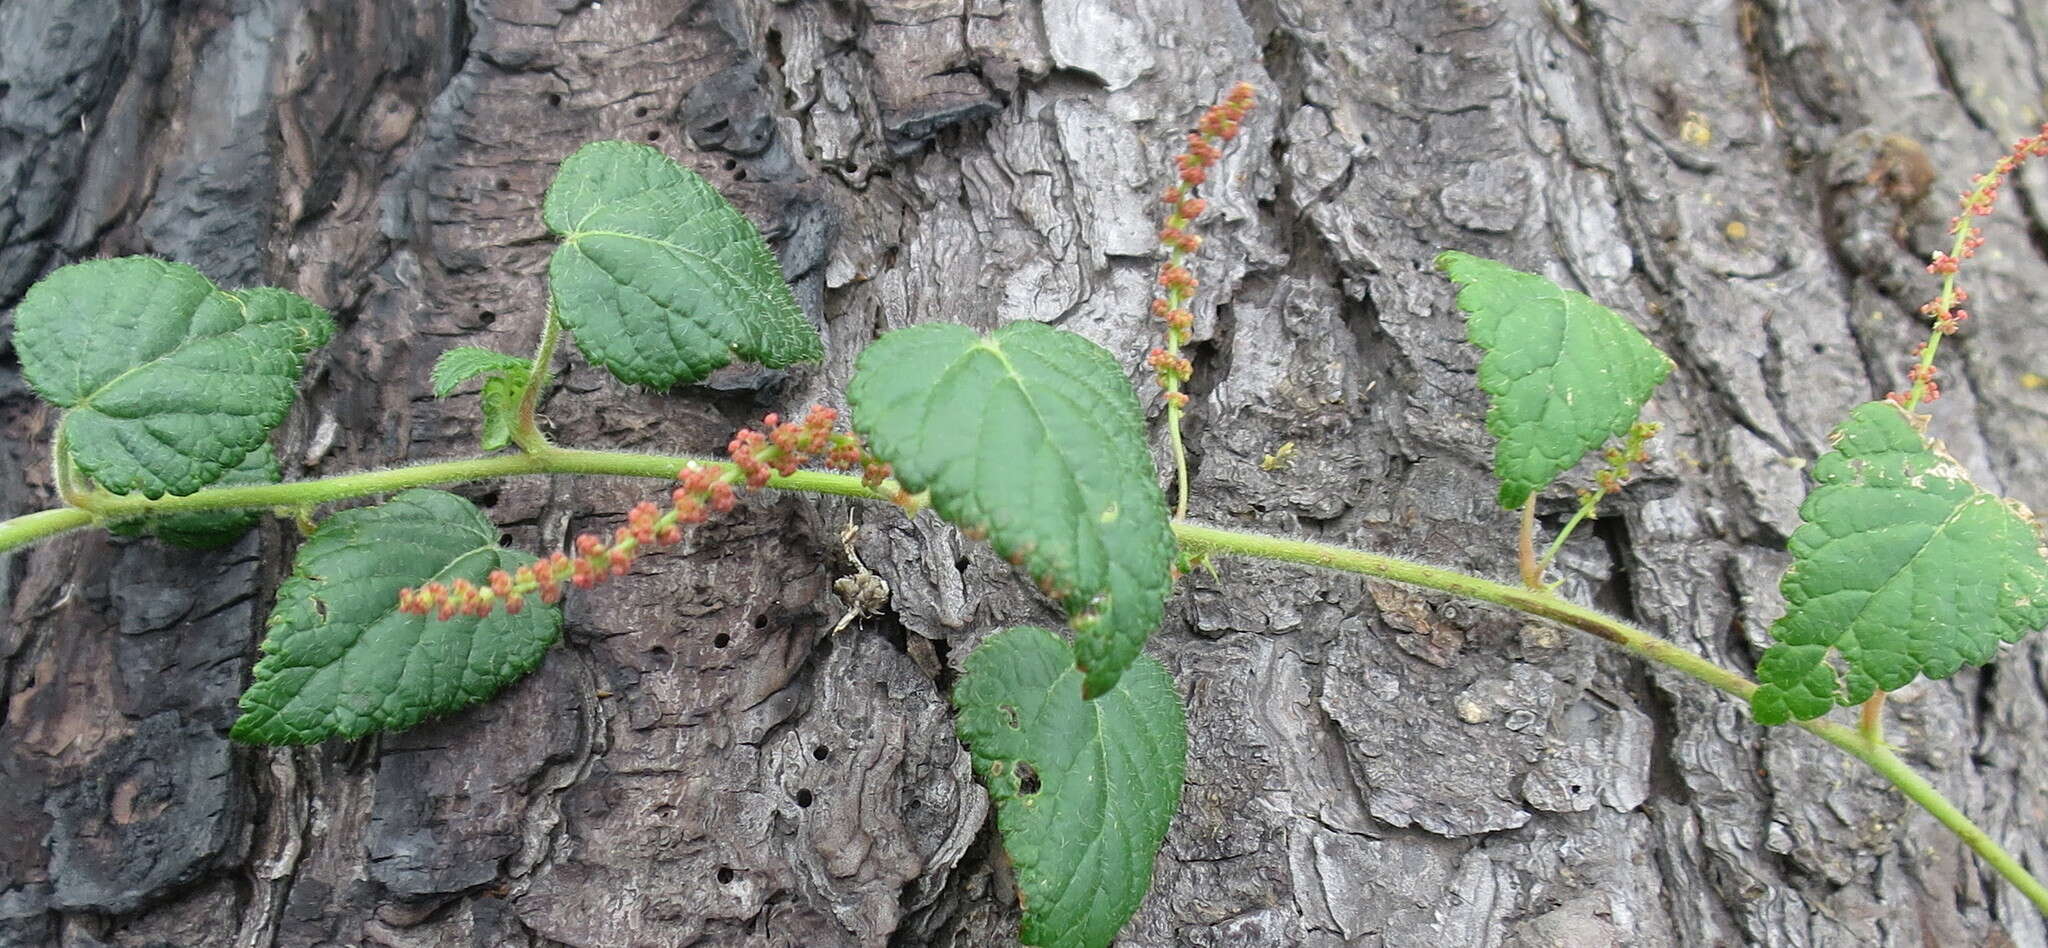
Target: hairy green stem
(1671, 655)
(1180, 460)
(62, 471)
(1194, 539)
(1525, 546)
(43, 524)
(526, 431)
(1871, 720)
(1585, 510)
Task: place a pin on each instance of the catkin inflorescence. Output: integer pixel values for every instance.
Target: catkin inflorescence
(1220, 123)
(1945, 309)
(758, 456)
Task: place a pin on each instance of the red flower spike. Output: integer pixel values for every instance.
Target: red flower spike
(1976, 202)
(722, 497)
(784, 448)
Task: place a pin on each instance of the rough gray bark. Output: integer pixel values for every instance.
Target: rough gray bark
(1370, 765)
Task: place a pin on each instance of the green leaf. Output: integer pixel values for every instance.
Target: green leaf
(207, 529)
(1902, 567)
(462, 363)
(1565, 373)
(659, 279)
(168, 382)
(340, 660)
(1108, 776)
(501, 410)
(504, 383)
(1032, 437)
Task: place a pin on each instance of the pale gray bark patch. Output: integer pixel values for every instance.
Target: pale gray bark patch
(1369, 765)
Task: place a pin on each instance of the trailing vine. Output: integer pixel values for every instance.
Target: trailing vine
(1028, 437)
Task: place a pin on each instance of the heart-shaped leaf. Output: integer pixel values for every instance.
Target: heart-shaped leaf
(661, 281)
(1084, 790)
(1565, 373)
(342, 661)
(167, 381)
(1031, 436)
(1902, 568)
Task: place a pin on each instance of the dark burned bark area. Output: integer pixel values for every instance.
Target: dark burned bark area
(1370, 765)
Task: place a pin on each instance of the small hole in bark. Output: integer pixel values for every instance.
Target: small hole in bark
(640, 112)
(487, 317)
(1027, 777)
(821, 752)
(960, 562)
(730, 164)
(803, 798)
(761, 621)
(554, 101)
(654, 135)
(725, 875)
(740, 175)
(1819, 348)
(660, 659)
(721, 640)
(504, 184)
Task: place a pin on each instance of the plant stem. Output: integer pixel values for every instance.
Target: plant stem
(1916, 788)
(1537, 602)
(62, 471)
(1871, 721)
(1193, 538)
(1180, 459)
(1525, 547)
(40, 525)
(100, 504)
(1585, 510)
(526, 431)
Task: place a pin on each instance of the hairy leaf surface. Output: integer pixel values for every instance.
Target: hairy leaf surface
(659, 279)
(505, 378)
(167, 381)
(1565, 373)
(1031, 436)
(1084, 790)
(207, 529)
(340, 660)
(462, 363)
(500, 400)
(1902, 568)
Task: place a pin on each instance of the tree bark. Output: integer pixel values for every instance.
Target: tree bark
(698, 763)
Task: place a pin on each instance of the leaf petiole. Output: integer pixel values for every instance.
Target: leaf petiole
(526, 431)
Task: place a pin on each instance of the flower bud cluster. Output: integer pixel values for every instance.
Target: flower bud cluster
(789, 445)
(1621, 461)
(1220, 123)
(1945, 309)
(702, 490)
